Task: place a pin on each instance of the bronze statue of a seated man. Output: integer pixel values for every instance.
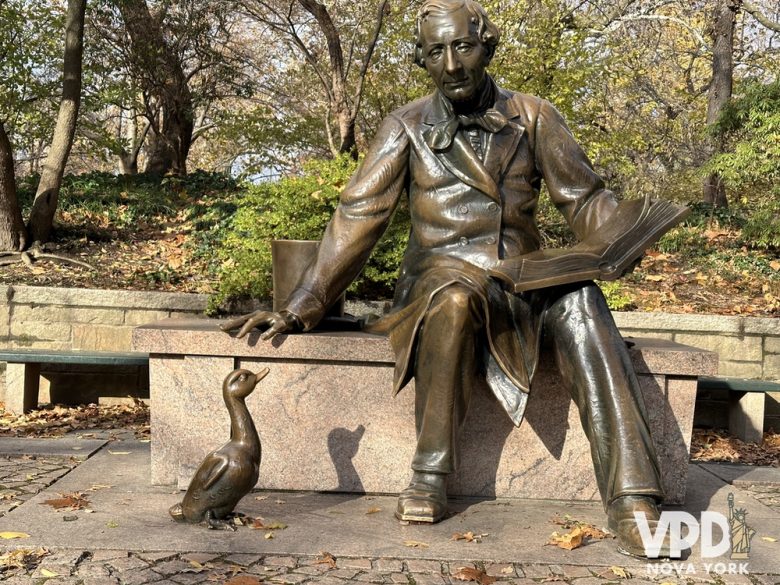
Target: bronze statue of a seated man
(470, 158)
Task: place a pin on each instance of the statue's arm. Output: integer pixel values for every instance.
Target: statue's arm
(575, 188)
(364, 212)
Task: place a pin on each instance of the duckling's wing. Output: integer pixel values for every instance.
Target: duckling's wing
(219, 466)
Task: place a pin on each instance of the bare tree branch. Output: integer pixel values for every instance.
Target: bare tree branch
(756, 13)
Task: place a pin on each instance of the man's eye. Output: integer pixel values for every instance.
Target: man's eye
(434, 54)
(464, 47)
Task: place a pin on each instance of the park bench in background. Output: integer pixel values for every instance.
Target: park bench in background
(22, 374)
(747, 399)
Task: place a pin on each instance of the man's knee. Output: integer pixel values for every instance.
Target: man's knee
(578, 307)
(455, 302)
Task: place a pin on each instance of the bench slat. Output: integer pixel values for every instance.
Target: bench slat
(43, 356)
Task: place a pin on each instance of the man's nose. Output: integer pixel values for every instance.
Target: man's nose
(451, 61)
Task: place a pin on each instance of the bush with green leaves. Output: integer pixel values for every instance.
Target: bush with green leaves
(297, 208)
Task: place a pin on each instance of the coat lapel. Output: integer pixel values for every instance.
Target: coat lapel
(461, 160)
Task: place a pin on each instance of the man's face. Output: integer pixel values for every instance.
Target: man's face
(454, 55)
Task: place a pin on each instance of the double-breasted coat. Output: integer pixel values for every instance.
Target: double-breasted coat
(467, 212)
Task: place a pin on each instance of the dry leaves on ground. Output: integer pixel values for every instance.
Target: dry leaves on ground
(72, 501)
(25, 559)
(326, 558)
(718, 445)
(415, 544)
(580, 533)
(55, 421)
(615, 571)
(468, 536)
(473, 574)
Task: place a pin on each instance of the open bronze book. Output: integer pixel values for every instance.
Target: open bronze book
(635, 225)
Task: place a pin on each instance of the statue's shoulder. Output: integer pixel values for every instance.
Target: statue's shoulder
(524, 105)
(412, 113)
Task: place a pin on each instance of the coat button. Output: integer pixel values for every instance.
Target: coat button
(464, 209)
(491, 240)
(463, 241)
(492, 206)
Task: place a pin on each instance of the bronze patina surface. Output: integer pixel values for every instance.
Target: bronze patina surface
(471, 158)
(229, 473)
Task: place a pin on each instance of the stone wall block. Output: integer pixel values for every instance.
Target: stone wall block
(56, 314)
(5, 328)
(102, 337)
(647, 333)
(40, 330)
(137, 317)
(762, 326)
(771, 367)
(678, 322)
(728, 348)
(109, 298)
(772, 344)
(748, 370)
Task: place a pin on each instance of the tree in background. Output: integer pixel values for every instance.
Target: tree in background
(14, 236)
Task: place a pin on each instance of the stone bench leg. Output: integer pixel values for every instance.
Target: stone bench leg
(21, 387)
(746, 415)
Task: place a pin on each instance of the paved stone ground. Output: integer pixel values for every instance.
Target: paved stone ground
(22, 477)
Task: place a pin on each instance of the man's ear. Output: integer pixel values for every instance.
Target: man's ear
(490, 50)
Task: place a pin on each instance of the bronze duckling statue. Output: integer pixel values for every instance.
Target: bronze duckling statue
(229, 473)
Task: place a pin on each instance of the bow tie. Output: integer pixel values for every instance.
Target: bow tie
(442, 134)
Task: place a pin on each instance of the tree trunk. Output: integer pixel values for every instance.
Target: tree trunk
(13, 236)
(45, 203)
(722, 33)
(162, 77)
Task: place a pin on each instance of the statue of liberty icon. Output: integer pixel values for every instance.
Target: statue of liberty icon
(741, 533)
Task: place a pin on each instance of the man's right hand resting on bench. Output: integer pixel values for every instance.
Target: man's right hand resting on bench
(272, 323)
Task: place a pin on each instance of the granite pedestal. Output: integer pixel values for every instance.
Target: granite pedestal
(328, 422)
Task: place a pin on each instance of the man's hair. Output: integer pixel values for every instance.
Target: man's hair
(487, 31)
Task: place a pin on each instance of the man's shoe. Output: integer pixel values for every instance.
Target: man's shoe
(425, 500)
(623, 525)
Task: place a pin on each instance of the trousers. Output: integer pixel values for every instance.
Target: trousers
(594, 364)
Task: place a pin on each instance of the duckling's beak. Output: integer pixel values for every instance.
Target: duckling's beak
(261, 374)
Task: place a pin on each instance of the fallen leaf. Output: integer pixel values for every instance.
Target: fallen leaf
(507, 571)
(259, 524)
(774, 265)
(373, 510)
(48, 573)
(13, 535)
(100, 486)
(280, 502)
(768, 539)
(468, 536)
(326, 558)
(74, 501)
(260, 498)
(415, 544)
(569, 541)
(119, 452)
(22, 558)
(655, 277)
(472, 574)
(243, 580)
(268, 535)
(112, 524)
(615, 571)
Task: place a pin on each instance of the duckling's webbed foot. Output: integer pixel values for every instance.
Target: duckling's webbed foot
(218, 523)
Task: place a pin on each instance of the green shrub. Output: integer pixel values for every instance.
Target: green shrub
(618, 299)
(297, 208)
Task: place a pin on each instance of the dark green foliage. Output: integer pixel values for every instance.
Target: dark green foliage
(297, 208)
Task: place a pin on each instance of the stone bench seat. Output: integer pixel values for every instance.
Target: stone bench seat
(328, 422)
(23, 370)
